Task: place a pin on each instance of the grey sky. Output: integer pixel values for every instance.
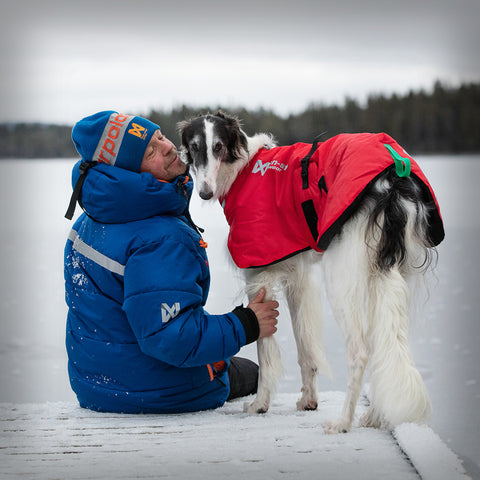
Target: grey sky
(61, 60)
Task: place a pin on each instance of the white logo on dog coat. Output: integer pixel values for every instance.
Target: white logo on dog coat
(273, 165)
(170, 312)
(260, 167)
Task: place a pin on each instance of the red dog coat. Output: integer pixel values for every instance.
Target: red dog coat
(276, 208)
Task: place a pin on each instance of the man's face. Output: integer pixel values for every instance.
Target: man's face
(161, 159)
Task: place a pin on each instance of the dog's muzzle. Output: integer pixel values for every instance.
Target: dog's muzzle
(206, 195)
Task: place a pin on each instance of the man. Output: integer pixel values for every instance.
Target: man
(137, 279)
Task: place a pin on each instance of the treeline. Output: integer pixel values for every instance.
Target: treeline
(445, 120)
(35, 140)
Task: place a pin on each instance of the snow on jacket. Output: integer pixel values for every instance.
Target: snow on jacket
(137, 278)
(272, 216)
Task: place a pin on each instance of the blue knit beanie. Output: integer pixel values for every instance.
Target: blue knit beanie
(113, 138)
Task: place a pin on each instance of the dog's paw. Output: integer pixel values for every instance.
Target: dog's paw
(370, 420)
(307, 404)
(339, 426)
(255, 407)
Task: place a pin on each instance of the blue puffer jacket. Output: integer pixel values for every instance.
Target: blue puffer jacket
(136, 280)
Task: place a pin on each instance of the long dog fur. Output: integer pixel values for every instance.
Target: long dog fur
(366, 271)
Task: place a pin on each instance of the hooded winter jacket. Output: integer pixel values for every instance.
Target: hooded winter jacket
(294, 198)
(136, 279)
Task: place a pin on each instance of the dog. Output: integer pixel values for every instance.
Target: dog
(371, 238)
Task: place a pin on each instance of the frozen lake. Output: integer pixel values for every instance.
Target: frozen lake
(445, 336)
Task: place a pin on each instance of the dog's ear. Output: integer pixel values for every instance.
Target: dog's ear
(221, 114)
(182, 126)
(231, 120)
(183, 152)
(237, 145)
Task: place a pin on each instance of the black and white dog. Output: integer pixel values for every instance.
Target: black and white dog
(380, 244)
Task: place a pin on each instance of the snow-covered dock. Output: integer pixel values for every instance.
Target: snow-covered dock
(61, 440)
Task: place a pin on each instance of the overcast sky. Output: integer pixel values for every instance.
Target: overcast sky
(63, 60)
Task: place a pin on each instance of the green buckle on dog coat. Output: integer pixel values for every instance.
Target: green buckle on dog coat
(402, 165)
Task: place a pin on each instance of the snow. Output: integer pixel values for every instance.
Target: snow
(61, 440)
(428, 453)
(34, 196)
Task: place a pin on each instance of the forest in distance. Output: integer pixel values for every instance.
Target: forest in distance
(444, 120)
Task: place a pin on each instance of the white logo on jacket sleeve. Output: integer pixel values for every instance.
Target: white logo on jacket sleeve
(170, 312)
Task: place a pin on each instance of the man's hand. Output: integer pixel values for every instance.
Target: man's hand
(266, 313)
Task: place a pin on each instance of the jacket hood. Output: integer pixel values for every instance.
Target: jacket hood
(115, 195)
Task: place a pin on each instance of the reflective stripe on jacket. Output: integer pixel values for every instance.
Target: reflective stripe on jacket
(136, 281)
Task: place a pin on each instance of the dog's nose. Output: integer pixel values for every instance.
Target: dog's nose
(206, 195)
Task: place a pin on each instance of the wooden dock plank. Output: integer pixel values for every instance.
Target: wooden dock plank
(61, 440)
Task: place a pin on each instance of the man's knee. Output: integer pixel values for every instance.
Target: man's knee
(243, 376)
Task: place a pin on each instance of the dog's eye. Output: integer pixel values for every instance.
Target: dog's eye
(217, 147)
(194, 147)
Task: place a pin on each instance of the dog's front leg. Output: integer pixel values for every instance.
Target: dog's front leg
(270, 368)
(269, 359)
(304, 302)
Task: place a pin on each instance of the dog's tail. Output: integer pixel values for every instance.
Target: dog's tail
(398, 224)
(397, 237)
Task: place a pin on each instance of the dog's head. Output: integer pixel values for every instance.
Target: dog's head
(215, 148)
